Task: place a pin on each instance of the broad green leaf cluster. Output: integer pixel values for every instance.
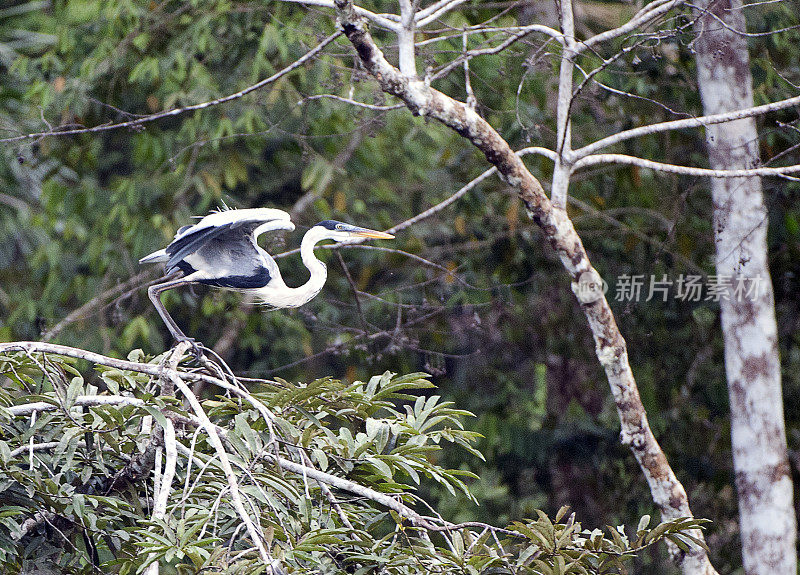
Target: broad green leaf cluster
(65, 504)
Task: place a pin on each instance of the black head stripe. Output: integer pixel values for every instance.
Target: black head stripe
(329, 224)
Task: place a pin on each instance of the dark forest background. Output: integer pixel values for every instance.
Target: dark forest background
(487, 311)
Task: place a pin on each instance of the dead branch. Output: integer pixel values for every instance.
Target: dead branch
(668, 493)
(697, 122)
(684, 170)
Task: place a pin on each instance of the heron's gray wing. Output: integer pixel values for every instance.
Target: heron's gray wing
(190, 241)
(231, 261)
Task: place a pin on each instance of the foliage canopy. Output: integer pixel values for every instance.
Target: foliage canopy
(72, 469)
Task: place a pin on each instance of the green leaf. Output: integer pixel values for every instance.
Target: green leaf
(643, 523)
(73, 391)
(157, 414)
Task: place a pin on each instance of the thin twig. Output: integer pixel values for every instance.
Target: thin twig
(177, 111)
(644, 17)
(354, 289)
(684, 170)
(697, 122)
(233, 485)
(93, 305)
(387, 21)
(351, 101)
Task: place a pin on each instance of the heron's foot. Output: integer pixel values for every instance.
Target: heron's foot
(197, 347)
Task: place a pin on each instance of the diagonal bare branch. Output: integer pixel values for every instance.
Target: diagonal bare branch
(667, 492)
(644, 17)
(435, 11)
(387, 21)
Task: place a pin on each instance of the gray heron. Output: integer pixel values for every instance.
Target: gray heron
(222, 250)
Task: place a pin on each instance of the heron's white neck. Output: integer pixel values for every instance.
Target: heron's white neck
(278, 294)
(317, 269)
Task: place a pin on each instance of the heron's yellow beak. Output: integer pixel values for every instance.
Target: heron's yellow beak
(365, 233)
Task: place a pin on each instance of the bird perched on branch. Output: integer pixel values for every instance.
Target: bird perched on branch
(221, 250)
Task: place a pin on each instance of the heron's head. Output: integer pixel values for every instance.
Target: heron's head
(341, 231)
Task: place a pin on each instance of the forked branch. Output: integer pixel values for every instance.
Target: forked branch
(668, 493)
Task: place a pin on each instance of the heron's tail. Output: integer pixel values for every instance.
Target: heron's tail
(159, 256)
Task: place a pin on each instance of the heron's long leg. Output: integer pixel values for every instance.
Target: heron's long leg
(154, 292)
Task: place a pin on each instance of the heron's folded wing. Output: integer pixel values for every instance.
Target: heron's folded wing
(188, 243)
(189, 240)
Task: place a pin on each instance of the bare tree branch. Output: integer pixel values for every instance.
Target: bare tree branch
(468, 55)
(608, 218)
(684, 170)
(697, 122)
(164, 487)
(472, 101)
(350, 101)
(90, 356)
(26, 409)
(561, 170)
(668, 493)
(96, 303)
(483, 29)
(387, 21)
(405, 39)
(463, 190)
(436, 10)
(644, 17)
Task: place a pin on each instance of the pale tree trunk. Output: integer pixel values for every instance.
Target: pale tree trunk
(758, 437)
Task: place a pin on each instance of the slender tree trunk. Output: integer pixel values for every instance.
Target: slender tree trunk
(758, 437)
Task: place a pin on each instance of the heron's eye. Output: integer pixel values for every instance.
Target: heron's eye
(339, 227)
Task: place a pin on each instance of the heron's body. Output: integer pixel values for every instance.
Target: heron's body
(221, 250)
